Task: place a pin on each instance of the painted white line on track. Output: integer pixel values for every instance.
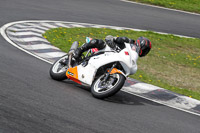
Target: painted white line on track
(182, 101)
(3, 28)
(32, 39)
(176, 10)
(48, 25)
(62, 25)
(77, 25)
(24, 33)
(97, 26)
(161, 103)
(42, 46)
(25, 27)
(22, 30)
(55, 54)
(30, 24)
(145, 88)
(37, 21)
(117, 28)
(173, 34)
(37, 26)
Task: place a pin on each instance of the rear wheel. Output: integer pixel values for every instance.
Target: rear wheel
(102, 89)
(59, 68)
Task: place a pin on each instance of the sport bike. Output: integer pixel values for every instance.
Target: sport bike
(105, 71)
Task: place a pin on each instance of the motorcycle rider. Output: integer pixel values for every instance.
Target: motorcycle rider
(142, 45)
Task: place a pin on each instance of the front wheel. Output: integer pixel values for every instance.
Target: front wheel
(59, 68)
(103, 89)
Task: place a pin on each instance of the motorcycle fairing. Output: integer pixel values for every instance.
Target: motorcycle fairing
(86, 74)
(72, 73)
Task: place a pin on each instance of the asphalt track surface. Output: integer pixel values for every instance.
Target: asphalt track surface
(32, 102)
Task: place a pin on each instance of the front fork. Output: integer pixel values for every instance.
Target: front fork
(108, 73)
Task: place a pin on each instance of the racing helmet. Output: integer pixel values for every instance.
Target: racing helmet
(144, 44)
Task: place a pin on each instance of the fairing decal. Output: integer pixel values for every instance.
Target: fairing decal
(72, 73)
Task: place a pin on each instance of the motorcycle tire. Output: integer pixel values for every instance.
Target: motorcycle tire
(57, 74)
(114, 84)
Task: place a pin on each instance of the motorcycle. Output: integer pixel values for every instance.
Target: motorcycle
(105, 71)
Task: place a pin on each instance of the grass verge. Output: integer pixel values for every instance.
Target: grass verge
(173, 63)
(186, 5)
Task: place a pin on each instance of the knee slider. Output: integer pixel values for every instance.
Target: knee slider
(93, 41)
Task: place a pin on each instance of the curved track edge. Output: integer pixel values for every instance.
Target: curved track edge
(27, 36)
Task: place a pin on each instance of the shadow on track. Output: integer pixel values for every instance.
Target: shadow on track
(120, 97)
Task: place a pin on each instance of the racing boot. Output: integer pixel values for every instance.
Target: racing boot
(95, 43)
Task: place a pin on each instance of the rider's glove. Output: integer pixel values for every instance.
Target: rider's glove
(121, 40)
(131, 41)
(110, 41)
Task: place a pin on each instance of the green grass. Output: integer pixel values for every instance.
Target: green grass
(173, 63)
(186, 5)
